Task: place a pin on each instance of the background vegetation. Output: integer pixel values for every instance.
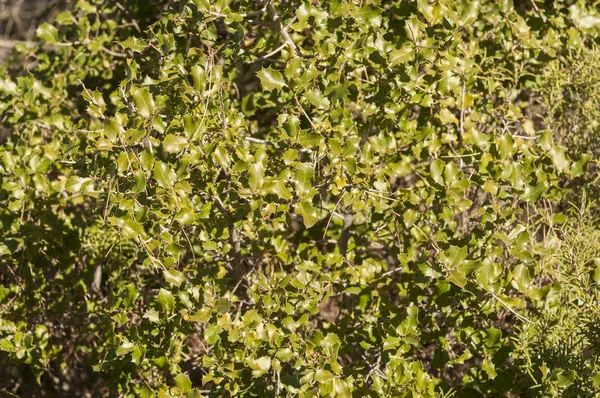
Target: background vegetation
(302, 198)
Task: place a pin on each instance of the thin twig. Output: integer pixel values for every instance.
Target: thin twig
(305, 114)
(258, 141)
(332, 214)
(462, 113)
(521, 317)
(525, 137)
(537, 11)
(114, 53)
(388, 273)
(460, 156)
(269, 55)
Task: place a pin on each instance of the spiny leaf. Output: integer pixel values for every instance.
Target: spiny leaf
(183, 382)
(174, 277)
(133, 43)
(271, 79)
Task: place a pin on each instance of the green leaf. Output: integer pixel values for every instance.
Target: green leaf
(146, 392)
(125, 348)
(579, 167)
(310, 140)
(152, 316)
(222, 157)
(174, 143)
(447, 117)
(164, 175)
(488, 367)
(469, 13)
(532, 194)
(147, 160)
(596, 380)
(133, 230)
(166, 300)
(402, 55)
(290, 156)
(260, 366)
(256, 176)
(183, 382)
(281, 190)
(559, 159)
(494, 335)
(144, 101)
(308, 213)
(137, 356)
(174, 277)
(212, 334)
(331, 344)
(368, 14)
(199, 76)
(284, 354)
(104, 145)
(140, 182)
(437, 170)
(47, 33)
(120, 318)
(458, 278)
(77, 184)
(113, 129)
(202, 315)
(222, 305)
(186, 216)
(323, 376)
(317, 99)
(134, 43)
(565, 379)
(271, 79)
(304, 177)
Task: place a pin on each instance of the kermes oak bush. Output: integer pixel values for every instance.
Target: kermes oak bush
(301, 198)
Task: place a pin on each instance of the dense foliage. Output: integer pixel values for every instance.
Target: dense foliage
(302, 198)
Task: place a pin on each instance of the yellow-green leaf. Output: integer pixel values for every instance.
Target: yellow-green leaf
(271, 79)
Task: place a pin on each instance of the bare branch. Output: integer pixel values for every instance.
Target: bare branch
(283, 30)
(345, 235)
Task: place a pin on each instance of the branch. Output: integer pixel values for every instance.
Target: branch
(537, 11)
(283, 30)
(258, 141)
(333, 213)
(9, 44)
(96, 286)
(234, 240)
(345, 235)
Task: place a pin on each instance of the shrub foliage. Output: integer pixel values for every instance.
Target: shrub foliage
(302, 198)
